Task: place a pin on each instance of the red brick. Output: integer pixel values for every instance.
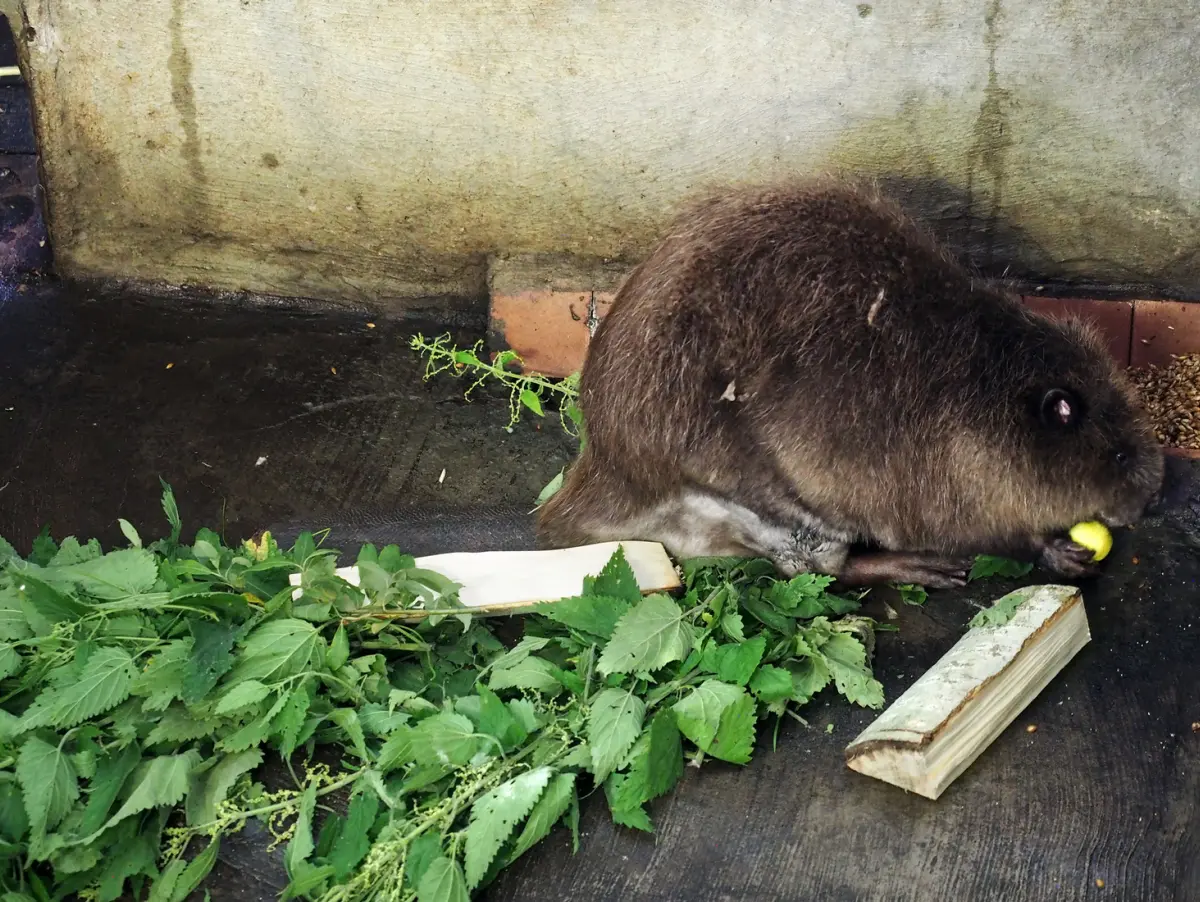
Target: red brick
(1164, 328)
(547, 328)
(1113, 318)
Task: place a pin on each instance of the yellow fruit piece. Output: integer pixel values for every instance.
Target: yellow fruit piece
(1095, 536)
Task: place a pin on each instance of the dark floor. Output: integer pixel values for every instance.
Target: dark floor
(100, 397)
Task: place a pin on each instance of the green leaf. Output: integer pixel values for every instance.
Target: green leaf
(178, 725)
(550, 807)
(809, 677)
(195, 872)
(171, 509)
(526, 673)
(71, 552)
(13, 820)
(121, 573)
(291, 717)
(732, 626)
(734, 741)
(447, 739)
(847, 662)
(663, 762)
(698, 714)
(550, 489)
(771, 683)
(339, 650)
(43, 605)
(596, 615)
(301, 844)
(48, 783)
(352, 845)
(242, 695)
(614, 722)
(275, 650)
(650, 636)
(130, 533)
(7, 552)
(347, 719)
(616, 580)
(735, 663)
(443, 882)
(623, 805)
(10, 661)
(495, 815)
(532, 401)
(214, 785)
(209, 659)
(987, 566)
(13, 625)
(425, 849)
(44, 548)
(157, 781)
(912, 594)
(497, 719)
(111, 773)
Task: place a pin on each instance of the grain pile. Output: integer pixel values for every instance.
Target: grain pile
(1171, 395)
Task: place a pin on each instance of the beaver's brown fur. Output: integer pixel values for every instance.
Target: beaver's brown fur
(800, 369)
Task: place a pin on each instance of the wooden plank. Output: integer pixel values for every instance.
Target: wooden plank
(957, 708)
(505, 581)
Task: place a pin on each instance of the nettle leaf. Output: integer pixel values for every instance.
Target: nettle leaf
(446, 739)
(43, 605)
(347, 719)
(49, 783)
(291, 717)
(698, 714)
(624, 805)
(160, 683)
(616, 580)
(734, 741)
(661, 767)
(111, 773)
(157, 781)
(801, 596)
(809, 677)
(527, 673)
(497, 719)
(7, 552)
(10, 661)
(103, 684)
(987, 566)
(735, 663)
(178, 725)
(242, 695)
(732, 626)
(650, 636)
(210, 658)
(352, 845)
(596, 615)
(847, 662)
(425, 849)
(301, 844)
(339, 650)
(771, 683)
(275, 650)
(116, 575)
(443, 881)
(495, 815)
(550, 807)
(213, 787)
(13, 624)
(614, 722)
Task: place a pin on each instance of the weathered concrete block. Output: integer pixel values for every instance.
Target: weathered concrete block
(382, 149)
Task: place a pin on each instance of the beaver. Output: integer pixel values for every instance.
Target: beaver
(801, 372)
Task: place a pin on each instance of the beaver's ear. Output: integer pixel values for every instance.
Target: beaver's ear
(1060, 408)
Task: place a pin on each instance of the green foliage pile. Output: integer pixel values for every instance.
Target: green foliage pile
(144, 687)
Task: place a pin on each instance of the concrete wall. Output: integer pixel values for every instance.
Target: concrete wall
(380, 149)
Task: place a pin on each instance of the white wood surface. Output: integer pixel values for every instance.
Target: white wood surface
(948, 717)
(500, 580)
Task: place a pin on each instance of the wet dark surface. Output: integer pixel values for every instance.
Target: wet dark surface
(101, 396)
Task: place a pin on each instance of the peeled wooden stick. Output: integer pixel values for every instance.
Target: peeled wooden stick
(498, 581)
(948, 717)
